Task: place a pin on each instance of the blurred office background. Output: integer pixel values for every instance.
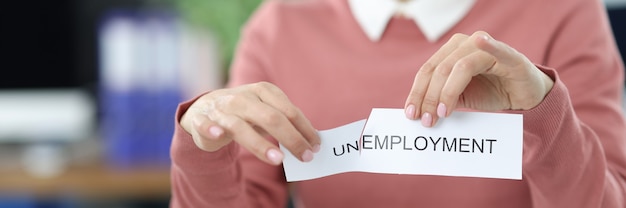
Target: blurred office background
(89, 88)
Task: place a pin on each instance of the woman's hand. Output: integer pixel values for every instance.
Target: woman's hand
(475, 72)
(248, 115)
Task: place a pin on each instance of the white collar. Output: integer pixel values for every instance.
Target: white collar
(433, 17)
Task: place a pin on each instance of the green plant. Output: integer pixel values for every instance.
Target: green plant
(223, 18)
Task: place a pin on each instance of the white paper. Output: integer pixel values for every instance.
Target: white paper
(485, 145)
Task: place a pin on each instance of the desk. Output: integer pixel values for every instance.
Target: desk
(93, 182)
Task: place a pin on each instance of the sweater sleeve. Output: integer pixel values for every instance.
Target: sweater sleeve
(575, 141)
(231, 176)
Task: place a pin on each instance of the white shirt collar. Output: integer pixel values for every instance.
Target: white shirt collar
(433, 17)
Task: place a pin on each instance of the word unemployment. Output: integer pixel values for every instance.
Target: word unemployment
(419, 143)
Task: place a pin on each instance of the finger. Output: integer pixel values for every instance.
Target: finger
(207, 128)
(207, 135)
(464, 70)
(261, 131)
(432, 108)
(276, 98)
(413, 104)
(503, 53)
(431, 97)
(245, 135)
(276, 124)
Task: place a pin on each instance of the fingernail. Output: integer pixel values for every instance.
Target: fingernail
(216, 131)
(488, 39)
(410, 111)
(307, 156)
(275, 156)
(427, 120)
(316, 148)
(441, 110)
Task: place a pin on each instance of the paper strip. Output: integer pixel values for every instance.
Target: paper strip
(466, 144)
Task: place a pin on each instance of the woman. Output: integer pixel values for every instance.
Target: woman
(318, 64)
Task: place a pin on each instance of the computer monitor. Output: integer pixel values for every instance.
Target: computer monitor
(44, 95)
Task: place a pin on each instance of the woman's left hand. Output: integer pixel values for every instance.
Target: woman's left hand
(475, 72)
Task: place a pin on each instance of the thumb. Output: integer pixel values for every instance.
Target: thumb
(503, 53)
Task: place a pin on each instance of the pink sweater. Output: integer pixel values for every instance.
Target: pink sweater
(574, 141)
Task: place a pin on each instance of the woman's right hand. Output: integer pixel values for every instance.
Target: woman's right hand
(248, 114)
